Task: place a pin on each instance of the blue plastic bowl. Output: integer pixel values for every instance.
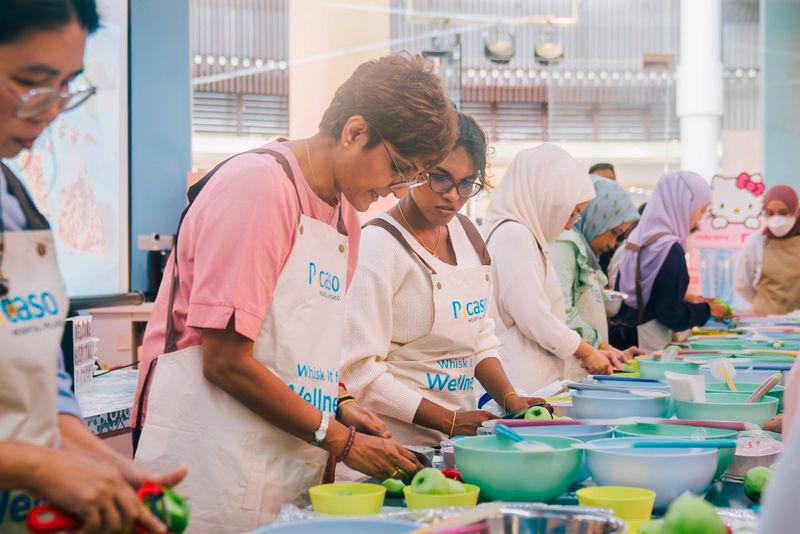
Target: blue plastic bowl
(668, 472)
(612, 405)
(341, 526)
(580, 432)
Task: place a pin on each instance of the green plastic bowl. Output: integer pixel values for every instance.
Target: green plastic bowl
(682, 432)
(424, 501)
(651, 368)
(748, 388)
(347, 498)
(723, 344)
(728, 407)
(506, 473)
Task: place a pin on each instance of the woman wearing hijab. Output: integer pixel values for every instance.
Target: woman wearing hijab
(542, 194)
(768, 273)
(603, 225)
(418, 333)
(653, 272)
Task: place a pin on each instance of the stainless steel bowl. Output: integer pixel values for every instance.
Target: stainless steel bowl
(533, 519)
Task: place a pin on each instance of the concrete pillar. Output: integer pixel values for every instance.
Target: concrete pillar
(780, 20)
(700, 85)
(326, 43)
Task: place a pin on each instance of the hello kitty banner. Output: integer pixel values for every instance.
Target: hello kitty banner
(735, 211)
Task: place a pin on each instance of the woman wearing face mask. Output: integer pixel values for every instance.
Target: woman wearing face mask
(542, 194)
(418, 334)
(768, 271)
(653, 271)
(603, 225)
(46, 451)
(242, 353)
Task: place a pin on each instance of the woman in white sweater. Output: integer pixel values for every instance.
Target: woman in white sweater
(417, 333)
(543, 193)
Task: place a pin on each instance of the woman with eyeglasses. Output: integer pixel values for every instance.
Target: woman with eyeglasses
(418, 335)
(46, 451)
(603, 225)
(543, 193)
(653, 271)
(241, 357)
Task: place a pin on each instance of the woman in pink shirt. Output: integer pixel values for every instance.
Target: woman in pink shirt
(241, 357)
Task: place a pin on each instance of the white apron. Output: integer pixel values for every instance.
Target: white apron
(652, 335)
(31, 325)
(441, 365)
(529, 366)
(241, 468)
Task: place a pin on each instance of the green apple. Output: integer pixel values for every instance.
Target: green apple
(454, 486)
(394, 487)
(652, 527)
(430, 481)
(690, 514)
(755, 481)
(728, 310)
(538, 412)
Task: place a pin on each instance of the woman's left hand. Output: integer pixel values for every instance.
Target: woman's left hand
(516, 403)
(363, 419)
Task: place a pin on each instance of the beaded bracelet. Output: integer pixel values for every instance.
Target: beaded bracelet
(350, 438)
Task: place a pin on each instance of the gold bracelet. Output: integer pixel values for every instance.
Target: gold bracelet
(340, 404)
(452, 425)
(506, 398)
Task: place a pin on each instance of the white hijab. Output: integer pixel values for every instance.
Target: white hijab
(540, 190)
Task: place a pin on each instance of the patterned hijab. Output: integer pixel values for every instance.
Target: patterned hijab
(611, 207)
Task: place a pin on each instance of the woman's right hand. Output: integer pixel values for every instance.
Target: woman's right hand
(718, 312)
(379, 457)
(467, 423)
(597, 364)
(95, 492)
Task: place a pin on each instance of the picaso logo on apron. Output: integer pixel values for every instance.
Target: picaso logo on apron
(472, 311)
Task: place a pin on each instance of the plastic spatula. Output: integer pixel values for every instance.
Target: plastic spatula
(666, 444)
(764, 388)
(520, 442)
(722, 369)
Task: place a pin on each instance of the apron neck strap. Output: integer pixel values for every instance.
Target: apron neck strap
(538, 245)
(392, 229)
(475, 239)
(637, 249)
(33, 217)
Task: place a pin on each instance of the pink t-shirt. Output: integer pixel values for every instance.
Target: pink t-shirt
(234, 243)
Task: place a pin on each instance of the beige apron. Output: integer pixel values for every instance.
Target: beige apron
(529, 366)
(31, 324)
(441, 365)
(242, 468)
(779, 286)
(652, 335)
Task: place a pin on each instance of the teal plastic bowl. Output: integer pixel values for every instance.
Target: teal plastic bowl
(728, 407)
(655, 430)
(506, 473)
(723, 344)
(767, 357)
(748, 388)
(651, 368)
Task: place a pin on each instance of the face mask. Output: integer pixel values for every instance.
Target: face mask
(780, 225)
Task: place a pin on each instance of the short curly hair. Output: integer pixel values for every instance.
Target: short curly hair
(402, 98)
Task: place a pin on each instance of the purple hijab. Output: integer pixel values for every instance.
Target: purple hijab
(677, 196)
